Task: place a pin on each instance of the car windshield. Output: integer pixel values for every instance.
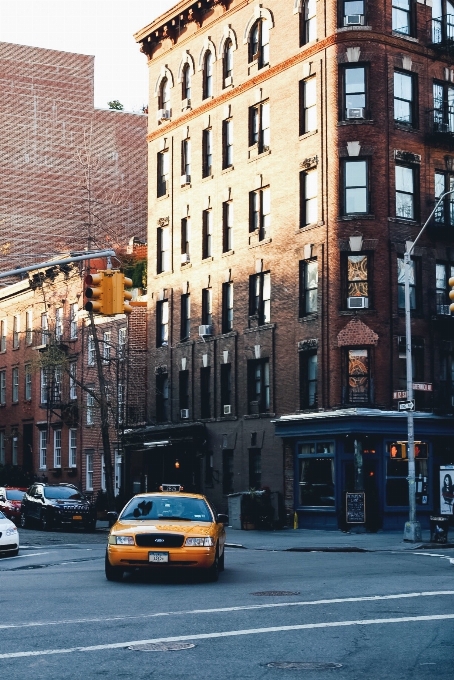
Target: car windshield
(62, 492)
(14, 494)
(2, 516)
(174, 507)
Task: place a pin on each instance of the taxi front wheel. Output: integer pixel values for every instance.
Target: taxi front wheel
(112, 573)
(213, 571)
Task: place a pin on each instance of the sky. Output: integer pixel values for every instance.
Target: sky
(103, 28)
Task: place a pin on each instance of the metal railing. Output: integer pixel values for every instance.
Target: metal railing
(442, 34)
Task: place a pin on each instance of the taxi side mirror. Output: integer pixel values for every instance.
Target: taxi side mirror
(222, 519)
(112, 517)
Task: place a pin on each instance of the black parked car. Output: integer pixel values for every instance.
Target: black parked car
(57, 505)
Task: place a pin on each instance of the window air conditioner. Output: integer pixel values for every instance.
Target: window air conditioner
(164, 114)
(354, 20)
(185, 179)
(357, 302)
(227, 410)
(184, 413)
(184, 258)
(185, 104)
(356, 113)
(205, 330)
(228, 81)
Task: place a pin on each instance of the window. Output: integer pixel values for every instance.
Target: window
(72, 380)
(59, 323)
(226, 389)
(308, 287)
(227, 143)
(164, 95)
(413, 276)
(352, 12)
(122, 343)
(258, 386)
(185, 317)
(28, 327)
(72, 448)
(2, 388)
(15, 384)
(308, 198)
(207, 227)
(162, 323)
(308, 105)
(260, 297)
(444, 214)
(56, 385)
(162, 398)
(186, 82)
(120, 402)
(42, 449)
(207, 152)
(2, 447)
(207, 298)
(227, 307)
(73, 311)
(44, 385)
(205, 392)
(397, 473)
(442, 21)
(227, 63)
(259, 126)
(308, 22)
(227, 226)
(163, 250)
(44, 329)
(447, 381)
(163, 173)
(255, 469)
(91, 351)
(443, 96)
(14, 445)
(183, 389)
(106, 345)
(185, 240)
(417, 361)
(3, 335)
(227, 471)
(356, 187)
(57, 448)
(90, 408)
(185, 161)
(443, 273)
(358, 277)
(316, 475)
(89, 471)
(260, 212)
(358, 390)
(308, 379)
(208, 75)
(402, 16)
(259, 43)
(404, 98)
(28, 382)
(354, 92)
(405, 192)
(16, 331)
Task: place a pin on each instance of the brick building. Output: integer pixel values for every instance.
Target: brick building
(294, 147)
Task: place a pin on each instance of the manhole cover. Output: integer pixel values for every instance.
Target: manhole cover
(303, 665)
(161, 647)
(272, 593)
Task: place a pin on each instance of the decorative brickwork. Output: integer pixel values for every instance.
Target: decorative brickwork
(356, 334)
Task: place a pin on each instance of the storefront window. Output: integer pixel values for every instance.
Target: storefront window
(397, 473)
(316, 475)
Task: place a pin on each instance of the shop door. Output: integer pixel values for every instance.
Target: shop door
(374, 514)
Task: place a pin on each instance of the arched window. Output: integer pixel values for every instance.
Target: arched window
(259, 44)
(228, 59)
(164, 102)
(186, 81)
(208, 75)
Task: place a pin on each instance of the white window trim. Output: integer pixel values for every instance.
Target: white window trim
(72, 461)
(42, 449)
(57, 449)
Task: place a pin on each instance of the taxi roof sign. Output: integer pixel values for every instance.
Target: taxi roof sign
(171, 487)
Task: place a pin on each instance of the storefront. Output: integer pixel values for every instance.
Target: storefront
(334, 452)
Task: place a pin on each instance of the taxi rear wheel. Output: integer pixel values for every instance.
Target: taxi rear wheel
(112, 573)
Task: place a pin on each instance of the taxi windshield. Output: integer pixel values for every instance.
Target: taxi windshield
(173, 507)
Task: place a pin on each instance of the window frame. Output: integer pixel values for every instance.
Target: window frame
(351, 375)
(186, 237)
(344, 94)
(259, 376)
(308, 398)
(186, 160)
(16, 331)
(305, 290)
(162, 173)
(162, 397)
(29, 327)
(208, 59)
(28, 384)
(72, 448)
(207, 234)
(411, 18)
(227, 307)
(3, 387)
(259, 52)
(346, 281)
(308, 203)
(259, 305)
(343, 13)
(186, 83)
(226, 387)
(227, 226)
(227, 60)
(205, 393)
(207, 152)
(207, 306)
(446, 208)
(413, 102)
(415, 194)
(185, 325)
(162, 323)
(15, 384)
(367, 186)
(73, 311)
(43, 449)
(183, 389)
(57, 447)
(442, 299)
(416, 286)
(163, 244)
(227, 143)
(259, 221)
(308, 22)
(89, 474)
(305, 112)
(258, 133)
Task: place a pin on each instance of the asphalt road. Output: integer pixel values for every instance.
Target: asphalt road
(368, 615)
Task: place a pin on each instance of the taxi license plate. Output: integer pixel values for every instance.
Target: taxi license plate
(158, 557)
(77, 516)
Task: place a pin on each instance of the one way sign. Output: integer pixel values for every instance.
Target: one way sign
(406, 405)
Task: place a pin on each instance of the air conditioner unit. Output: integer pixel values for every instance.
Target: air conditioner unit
(356, 113)
(228, 81)
(354, 20)
(358, 302)
(164, 114)
(205, 330)
(185, 258)
(227, 410)
(185, 179)
(184, 413)
(185, 104)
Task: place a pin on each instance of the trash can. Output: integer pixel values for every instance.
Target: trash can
(439, 529)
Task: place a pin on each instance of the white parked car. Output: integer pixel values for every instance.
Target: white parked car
(9, 537)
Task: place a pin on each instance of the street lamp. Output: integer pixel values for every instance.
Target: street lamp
(412, 530)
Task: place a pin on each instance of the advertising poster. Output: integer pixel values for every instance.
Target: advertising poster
(446, 489)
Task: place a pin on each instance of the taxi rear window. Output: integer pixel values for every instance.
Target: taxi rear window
(174, 507)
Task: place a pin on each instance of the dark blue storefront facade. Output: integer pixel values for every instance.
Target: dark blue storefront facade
(320, 464)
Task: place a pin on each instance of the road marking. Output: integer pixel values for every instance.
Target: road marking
(275, 605)
(18, 557)
(229, 633)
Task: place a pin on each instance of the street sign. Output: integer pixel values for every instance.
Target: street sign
(423, 387)
(400, 394)
(406, 405)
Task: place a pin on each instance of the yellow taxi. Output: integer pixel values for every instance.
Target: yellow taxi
(169, 530)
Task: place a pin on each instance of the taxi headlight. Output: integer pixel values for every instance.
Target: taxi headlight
(121, 540)
(200, 542)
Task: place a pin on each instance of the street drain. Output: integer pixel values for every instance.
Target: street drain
(161, 647)
(303, 665)
(275, 593)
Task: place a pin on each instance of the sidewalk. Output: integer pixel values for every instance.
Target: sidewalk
(306, 540)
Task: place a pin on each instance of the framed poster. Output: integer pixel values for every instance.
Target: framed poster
(446, 489)
(355, 507)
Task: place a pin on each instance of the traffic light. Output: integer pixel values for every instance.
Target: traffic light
(97, 293)
(451, 294)
(121, 297)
